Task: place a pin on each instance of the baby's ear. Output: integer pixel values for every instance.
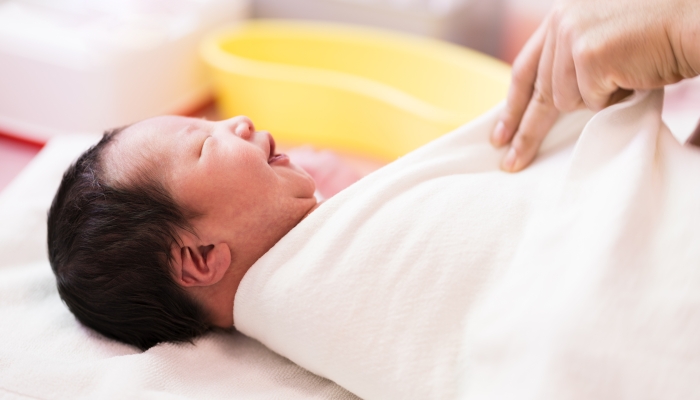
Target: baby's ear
(195, 264)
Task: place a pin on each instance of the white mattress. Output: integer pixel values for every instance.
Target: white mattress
(45, 353)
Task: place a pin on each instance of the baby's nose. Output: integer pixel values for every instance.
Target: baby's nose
(241, 126)
(244, 130)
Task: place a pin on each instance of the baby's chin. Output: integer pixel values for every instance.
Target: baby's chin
(306, 184)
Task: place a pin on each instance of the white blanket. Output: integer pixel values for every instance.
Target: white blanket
(441, 277)
(46, 354)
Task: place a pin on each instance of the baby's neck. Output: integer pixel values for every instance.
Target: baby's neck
(221, 309)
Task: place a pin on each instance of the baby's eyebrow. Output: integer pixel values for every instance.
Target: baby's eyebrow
(186, 130)
(189, 128)
(195, 124)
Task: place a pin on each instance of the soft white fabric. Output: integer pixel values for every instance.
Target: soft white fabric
(45, 353)
(440, 277)
(602, 297)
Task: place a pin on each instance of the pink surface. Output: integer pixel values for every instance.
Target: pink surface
(14, 156)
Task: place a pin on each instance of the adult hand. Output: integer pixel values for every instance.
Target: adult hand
(592, 53)
(694, 139)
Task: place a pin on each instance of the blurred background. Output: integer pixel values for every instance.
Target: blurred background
(82, 66)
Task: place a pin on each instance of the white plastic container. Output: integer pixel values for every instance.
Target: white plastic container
(83, 66)
(473, 23)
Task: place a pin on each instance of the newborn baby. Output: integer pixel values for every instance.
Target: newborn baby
(153, 228)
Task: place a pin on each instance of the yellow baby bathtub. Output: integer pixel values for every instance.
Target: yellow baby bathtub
(353, 89)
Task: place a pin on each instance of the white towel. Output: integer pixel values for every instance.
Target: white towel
(440, 276)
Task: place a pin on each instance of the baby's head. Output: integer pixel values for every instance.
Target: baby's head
(153, 228)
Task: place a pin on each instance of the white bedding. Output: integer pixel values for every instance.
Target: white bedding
(441, 277)
(46, 354)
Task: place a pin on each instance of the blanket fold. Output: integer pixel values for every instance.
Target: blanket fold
(602, 299)
(440, 276)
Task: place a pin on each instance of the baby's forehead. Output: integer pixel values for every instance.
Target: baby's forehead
(163, 124)
(158, 129)
(150, 149)
(142, 149)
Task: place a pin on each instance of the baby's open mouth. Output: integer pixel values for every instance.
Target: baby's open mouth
(272, 157)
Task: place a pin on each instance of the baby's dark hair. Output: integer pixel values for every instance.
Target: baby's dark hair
(110, 249)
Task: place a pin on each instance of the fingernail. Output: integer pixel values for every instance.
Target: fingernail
(499, 134)
(509, 160)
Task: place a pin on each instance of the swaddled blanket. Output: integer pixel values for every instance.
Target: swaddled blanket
(441, 277)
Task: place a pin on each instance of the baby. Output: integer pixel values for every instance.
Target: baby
(153, 228)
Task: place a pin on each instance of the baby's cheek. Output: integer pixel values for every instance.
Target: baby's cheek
(330, 173)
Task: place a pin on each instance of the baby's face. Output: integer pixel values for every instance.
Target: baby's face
(224, 171)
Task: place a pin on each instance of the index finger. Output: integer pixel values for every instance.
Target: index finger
(521, 88)
(539, 117)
